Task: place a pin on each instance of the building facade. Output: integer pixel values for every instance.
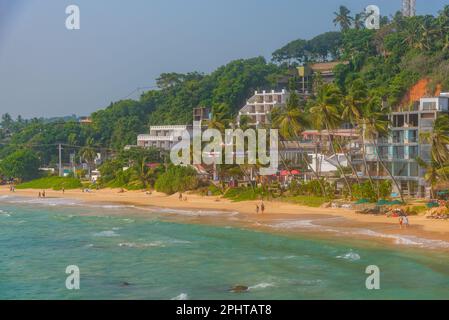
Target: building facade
(163, 137)
(259, 107)
(402, 146)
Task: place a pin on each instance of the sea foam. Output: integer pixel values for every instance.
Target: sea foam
(182, 296)
(107, 233)
(261, 285)
(351, 256)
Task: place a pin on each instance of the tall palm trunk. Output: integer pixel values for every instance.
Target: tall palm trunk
(331, 140)
(388, 171)
(365, 163)
(348, 158)
(314, 172)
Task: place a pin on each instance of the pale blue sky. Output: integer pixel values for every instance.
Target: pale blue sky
(46, 70)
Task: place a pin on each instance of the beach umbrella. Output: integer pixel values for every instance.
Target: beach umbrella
(295, 172)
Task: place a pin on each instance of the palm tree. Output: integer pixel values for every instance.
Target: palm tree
(351, 106)
(443, 25)
(438, 138)
(88, 153)
(431, 176)
(359, 20)
(428, 32)
(375, 126)
(326, 115)
(145, 174)
(343, 18)
(291, 122)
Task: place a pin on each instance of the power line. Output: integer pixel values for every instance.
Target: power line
(136, 90)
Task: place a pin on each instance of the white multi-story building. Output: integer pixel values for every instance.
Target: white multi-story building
(400, 149)
(163, 137)
(259, 107)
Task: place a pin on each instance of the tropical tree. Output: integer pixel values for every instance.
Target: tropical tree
(21, 164)
(438, 138)
(375, 125)
(431, 176)
(443, 26)
(351, 107)
(291, 121)
(89, 154)
(359, 20)
(343, 18)
(326, 115)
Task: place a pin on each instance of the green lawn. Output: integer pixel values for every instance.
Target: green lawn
(243, 194)
(309, 201)
(55, 183)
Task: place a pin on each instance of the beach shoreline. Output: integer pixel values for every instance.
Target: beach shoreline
(279, 216)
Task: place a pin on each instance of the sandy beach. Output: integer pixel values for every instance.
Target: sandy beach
(379, 226)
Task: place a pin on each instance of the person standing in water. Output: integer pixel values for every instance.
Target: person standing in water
(405, 221)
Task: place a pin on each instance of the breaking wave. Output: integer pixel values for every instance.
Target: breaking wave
(351, 256)
(107, 233)
(262, 285)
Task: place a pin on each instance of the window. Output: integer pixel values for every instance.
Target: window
(413, 136)
(398, 121)
(398, 136)
(413, 120)
(400, 169)
(413, 152)
(429, 106)
(414, 169)
(398, 153)
(383, 152)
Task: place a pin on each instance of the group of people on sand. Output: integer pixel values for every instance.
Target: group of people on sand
(42, 194)
(260, 208)
(12, 188)
(181, 198)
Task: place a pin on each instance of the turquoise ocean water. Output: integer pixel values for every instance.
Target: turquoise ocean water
(130, 253)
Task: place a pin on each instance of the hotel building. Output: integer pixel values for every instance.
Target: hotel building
(402, 146)
(258, 108)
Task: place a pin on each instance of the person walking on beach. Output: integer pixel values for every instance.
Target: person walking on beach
(257, 209)
(180, 196)
(39, 194)
(63, 190)
(262, 207)
(43, 193)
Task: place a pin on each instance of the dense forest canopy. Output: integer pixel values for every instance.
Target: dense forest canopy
(387, 62)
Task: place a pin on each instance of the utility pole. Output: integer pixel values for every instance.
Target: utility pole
(60, 160)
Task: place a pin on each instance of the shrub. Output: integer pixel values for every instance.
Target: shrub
(364, 190)
(177, 179)
(310, 188)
